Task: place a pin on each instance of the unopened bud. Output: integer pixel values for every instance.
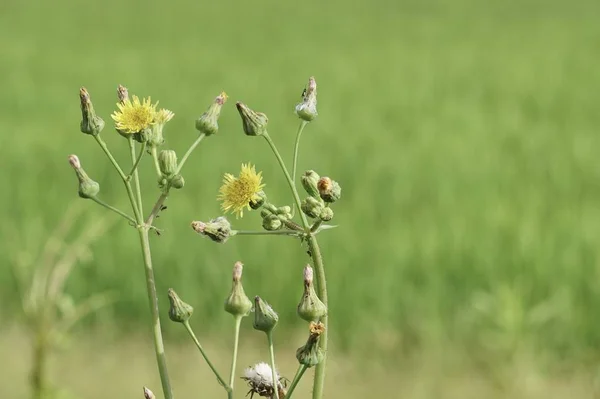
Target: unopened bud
(284, 211)
(256, 204)
(148, 394)
(177, 182)
(88, 188)
(307, 109)
(122, 94)
(272, 222)
(90, 122)
(208, 122)
(254, 123)
(311, 354)
(167, 161)
(311, 207)
(218, 230)
(238, 304)
(310, 307)
(309, 180)
(326, 214)
(154, 134)
(179, 311)
(329, 190)
(265, 318)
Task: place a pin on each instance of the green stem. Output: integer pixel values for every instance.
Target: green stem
(102, 145)
(236, 340)
(189, 151)
(273, 372)
(289, 180)
(214, 370)
(301, 369)
(159, 348)
(155, 158)
(267, 233)
(112, 208)
(136, 179)
(296, 147)
(156, 209)
(137, 161)
(315, 253)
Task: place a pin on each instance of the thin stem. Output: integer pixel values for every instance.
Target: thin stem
(214, 370)
(136, 179)
(157, 208)
(267, 233)
(159, 348)
(315, 253)
(155, 158)
(296, 147)
(289, 180)
(274, 373)
(112, 208)
(236, 339)
(189, 151)
(137, 161)
(301, 369)
(102, 145)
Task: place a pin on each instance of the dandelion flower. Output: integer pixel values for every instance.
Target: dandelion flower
(134, 116)
(236, 193)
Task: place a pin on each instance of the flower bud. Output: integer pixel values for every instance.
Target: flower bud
(148, 394)
(90, 122)
(284, 211)
(309, 180)
(254, 123)
(256, 204)
(326, 214)
(238, 304)
(307, 109)
(329, 190)
(311, 207)
(311, 354)
(177, 182)
(122, 94)
(310, 307)
(87, 187)
(265, 318)
(179, 311)
(208, 122)
(272, 223)
(218, 230)
(167, 161)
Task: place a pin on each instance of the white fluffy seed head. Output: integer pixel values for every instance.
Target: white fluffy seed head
(261, 374)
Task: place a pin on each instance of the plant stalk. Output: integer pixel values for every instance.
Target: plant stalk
(187, 326)
(315, 253)
(188, 152)
(301, 369)
(236, 340)
(296, 147)
(273, 372)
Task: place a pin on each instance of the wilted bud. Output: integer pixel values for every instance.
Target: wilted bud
(148, 394)
(238, 304)
(218, 230)
(265, 318)
(167, 161)
(307, 109)
(310, 307)
(177, 181)
(255, 123)
(309, 180)
(256, 204)
(208, 122)
(90, 122)
(311, 354)
(312, 207)
(122, 94)
(329, 190)
(272, 222)
(87, 187)
(326, 214)
(179, 311)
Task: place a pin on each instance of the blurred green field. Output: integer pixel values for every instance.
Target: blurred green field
(465, 136)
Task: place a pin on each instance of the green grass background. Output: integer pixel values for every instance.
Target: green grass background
(465, 136)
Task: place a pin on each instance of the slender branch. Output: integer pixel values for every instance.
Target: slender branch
(112, 208)
(214, 370)
(136, 179)
(296, 147)
(155, 158)
(236, 340)
(137, 161)
(301, 369)
(189, 151)
(156, 209)
(267, 233)
(315, 253)
(102, 145)
(273, 372)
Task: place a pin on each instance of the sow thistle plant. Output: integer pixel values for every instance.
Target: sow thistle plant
(141, 123)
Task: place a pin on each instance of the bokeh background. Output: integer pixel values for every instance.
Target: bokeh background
(465, 135)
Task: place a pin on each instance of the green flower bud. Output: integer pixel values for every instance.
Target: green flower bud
(326, 214)
(311, 354)
(154, 134)
(179, 311)
(312, 207)
(329, 190)
(87, 187)
(307, 109)
(218, 230)
(177, 182)
(309, 180)
(208, 122)
(90, 122)
(254, 123)
(285, 211)
(259, 202)
(167, 161)
(310, 307)
(265, 318)
(272, 223)
(238, 304)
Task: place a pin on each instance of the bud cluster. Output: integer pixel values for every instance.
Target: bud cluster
(322, 192)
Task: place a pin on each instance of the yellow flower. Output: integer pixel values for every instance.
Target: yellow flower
(237, 192)
(163, 116)
(134, 116)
